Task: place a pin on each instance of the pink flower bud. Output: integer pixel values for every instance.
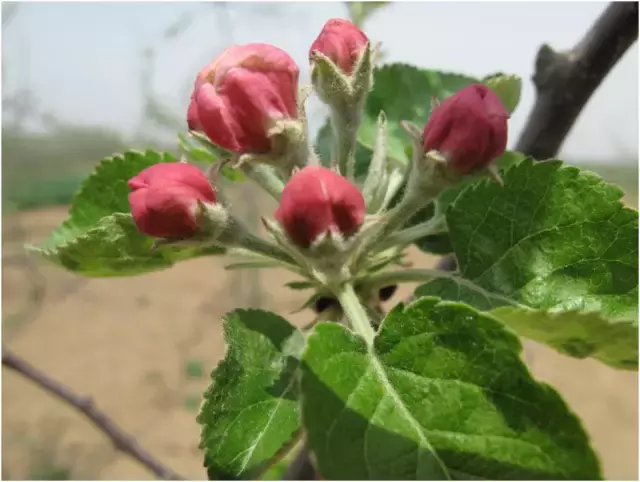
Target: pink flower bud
(469, 128)
(238, 97)
(193, 121)
(164, 199)
(342, 42)
(317, 200)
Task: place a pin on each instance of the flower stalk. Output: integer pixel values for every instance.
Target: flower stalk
(405, 237)
(355, 311)
(264, 247)
(345, 126)
(265, 177)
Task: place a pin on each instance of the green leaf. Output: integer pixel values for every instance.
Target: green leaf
(508, 88)
(577, 334)
(441, 243)
(300, 285)
(99, 238)
(508, 160)
(104, 192)
(443, 394)
(251, 410)
(199, 152)
(418, 87)
(554, 239)
(114, 247)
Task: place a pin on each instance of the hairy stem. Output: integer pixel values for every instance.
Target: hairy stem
(407, 236)
(356, 313)
(396, 180)
(265, 177)
(417, 196)
(261, 246)
(345, 126)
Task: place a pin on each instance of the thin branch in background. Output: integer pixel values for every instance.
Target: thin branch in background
(566, 81)
(121, 440)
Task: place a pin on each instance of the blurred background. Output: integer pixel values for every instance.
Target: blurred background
(81, 81)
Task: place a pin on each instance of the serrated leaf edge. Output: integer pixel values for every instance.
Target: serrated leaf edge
(294, 380)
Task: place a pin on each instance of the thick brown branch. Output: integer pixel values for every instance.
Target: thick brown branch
(566, 80)
(121, 440)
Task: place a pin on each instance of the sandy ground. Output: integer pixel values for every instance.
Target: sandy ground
(125, 342)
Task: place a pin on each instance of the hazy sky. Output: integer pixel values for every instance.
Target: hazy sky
(83, 59)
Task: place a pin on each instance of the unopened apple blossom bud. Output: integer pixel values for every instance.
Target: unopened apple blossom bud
(342, 63)
(317, 200)
(165, 199)
(242, 95)
(469, 129)
(342, 42)
(193, 121)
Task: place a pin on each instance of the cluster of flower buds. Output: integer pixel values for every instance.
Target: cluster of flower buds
(246, 101)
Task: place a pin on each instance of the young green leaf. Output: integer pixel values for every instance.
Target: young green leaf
(104, 192)
(251, 410)
(99, 237)
(300, 285)
(554, 239)
(418, 87)
(114, 247)
(442, 395)
(198, 151)
(508, 88)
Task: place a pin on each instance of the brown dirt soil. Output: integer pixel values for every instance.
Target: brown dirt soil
(125, 343)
